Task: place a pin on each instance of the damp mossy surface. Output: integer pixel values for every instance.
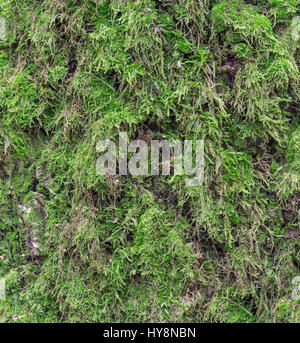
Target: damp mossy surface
(76, 246)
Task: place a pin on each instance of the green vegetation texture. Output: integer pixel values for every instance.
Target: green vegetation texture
(149, 249)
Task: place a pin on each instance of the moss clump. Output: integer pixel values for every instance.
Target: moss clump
(76, 246)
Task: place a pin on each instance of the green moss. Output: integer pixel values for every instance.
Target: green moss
(282, 9)
(242, 51)
(130, 249)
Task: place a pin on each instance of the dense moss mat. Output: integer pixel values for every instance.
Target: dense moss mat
(146, 249)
